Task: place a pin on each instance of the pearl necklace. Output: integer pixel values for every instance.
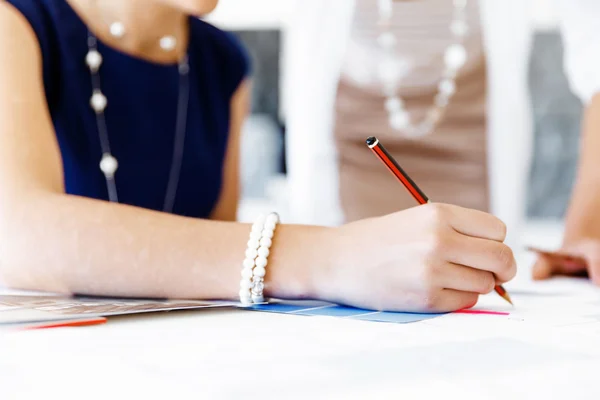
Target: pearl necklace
(455, 57)
(98, 102)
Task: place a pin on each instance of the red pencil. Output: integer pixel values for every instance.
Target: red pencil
(68, 323)
(411, 186)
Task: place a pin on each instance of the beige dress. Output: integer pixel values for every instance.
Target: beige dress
(450, 164)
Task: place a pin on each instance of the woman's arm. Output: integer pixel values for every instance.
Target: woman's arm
(582, 222)
(581, 35)
(56, 242)
(583, 217)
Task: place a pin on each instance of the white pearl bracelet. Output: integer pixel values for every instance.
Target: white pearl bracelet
(255, 263)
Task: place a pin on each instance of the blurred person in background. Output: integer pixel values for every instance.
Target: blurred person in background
(119, 174)
(444, 85)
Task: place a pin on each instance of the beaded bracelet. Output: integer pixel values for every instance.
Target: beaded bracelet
(255, 263)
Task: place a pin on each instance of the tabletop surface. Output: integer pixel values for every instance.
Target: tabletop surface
(548, 347)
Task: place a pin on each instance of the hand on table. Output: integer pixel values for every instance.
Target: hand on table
(430, 258)
(577, 258)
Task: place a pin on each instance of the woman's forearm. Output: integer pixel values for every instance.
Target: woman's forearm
(61, 243)
(583, 217)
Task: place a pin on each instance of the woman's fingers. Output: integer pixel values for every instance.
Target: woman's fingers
(580, 259)
(484, 255)
(475, 223)
(450, 300)
(466, 279)
(543, 269)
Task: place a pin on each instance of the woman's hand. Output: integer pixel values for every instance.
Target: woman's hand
(431, 258)
(576, 258)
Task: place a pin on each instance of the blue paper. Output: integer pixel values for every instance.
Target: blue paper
(398, 318)
(278, 308)
(332, 310)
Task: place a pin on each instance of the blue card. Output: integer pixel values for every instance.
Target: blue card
(278, 308)
(334, 311)
(331, 310)
(398, 318)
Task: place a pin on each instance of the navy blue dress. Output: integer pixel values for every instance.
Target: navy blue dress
(141, 113)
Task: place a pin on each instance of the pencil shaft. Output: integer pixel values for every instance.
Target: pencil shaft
(399, 173)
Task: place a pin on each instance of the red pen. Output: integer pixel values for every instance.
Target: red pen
(411, 186)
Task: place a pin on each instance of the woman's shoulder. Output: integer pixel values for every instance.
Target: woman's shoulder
(38, 15)
(36, 12)
(223, 43)
(227, 52)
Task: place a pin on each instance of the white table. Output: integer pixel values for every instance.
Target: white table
(233, 354)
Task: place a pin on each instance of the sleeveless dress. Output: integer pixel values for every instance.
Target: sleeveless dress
(450, 164)
(141, 112)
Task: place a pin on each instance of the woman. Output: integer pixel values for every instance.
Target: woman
(119, 135)
(444, 86)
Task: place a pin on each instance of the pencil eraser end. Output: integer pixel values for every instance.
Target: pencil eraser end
(371, 141)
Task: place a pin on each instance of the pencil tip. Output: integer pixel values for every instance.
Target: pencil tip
(507, 298)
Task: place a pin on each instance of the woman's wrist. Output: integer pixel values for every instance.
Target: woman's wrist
(583, 220)
(299, 260)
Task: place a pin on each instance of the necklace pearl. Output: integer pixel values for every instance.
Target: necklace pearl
(393, 104)
(117, 29)
(456, 56)
(98, 101)
(168, 43)
(441, 100)
(447, 87)
(109, 165)
(93, 59)
(399, 120)
(389, 71)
